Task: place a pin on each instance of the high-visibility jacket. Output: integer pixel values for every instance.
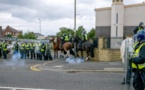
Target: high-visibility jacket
(136, 54)
(85, 37)
(43, 48)
(139, 28)
(16, 46)
(66, 38)
(32, 46)
(27, 46)
(4, 46)
(22, 47)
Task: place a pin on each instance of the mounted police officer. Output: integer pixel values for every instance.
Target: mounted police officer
(65, 38)
(138, 62)
(84, 39)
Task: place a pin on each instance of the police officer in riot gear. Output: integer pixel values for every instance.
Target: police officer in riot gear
(138, 62)
(139, 27)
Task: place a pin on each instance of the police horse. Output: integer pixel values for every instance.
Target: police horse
(126, 50)
(86, 46)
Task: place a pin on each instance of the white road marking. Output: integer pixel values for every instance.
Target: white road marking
(59, 66)
(113, 69)
(15, 88)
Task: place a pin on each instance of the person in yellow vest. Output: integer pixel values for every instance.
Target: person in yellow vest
(84, 38)
(27, 47)
(32, 50)
(37, 50)
(65, 38)
(138, 62)
(139, 27)
(42, 51)
(22, 51)
(4, 49)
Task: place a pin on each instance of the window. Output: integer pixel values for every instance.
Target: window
(117, 18)
(116, 31)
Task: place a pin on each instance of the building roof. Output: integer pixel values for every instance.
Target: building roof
(38, 34)
(12, 29)
(125, 6)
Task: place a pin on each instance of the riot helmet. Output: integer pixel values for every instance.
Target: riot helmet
(141, 35)
(141, 24)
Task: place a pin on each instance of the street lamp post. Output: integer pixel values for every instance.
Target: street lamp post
(75, 16)
(40, 25)
(75, 25)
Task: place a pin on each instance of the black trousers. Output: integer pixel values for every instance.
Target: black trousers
(5, 54)
(27, 53)
(137, 81)
(42, 56)
(32, 54)
(0, 53)
(37, 56)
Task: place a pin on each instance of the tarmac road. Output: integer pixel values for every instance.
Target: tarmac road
(47, 75)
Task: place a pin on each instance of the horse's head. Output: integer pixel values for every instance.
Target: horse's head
(77, 39)
(51, 39)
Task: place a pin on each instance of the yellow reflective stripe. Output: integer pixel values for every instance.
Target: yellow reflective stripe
(140, 66)
(136, 54)
(66, 38)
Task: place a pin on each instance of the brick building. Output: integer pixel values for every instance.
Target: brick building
(10, 31)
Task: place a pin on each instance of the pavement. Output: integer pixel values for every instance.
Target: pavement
(87, 66)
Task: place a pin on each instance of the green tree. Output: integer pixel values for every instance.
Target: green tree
(29, 35)
(20, 36)
(65, 30)
(80, 31)
(91, 34)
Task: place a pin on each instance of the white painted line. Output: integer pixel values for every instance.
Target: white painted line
(59, 66)
(113, 69)
(15, 88)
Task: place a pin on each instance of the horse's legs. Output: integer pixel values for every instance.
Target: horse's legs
(54, 54)
(57, 53)
(82, 54)
(87, 52)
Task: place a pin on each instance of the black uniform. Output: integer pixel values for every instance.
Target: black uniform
(137, 80)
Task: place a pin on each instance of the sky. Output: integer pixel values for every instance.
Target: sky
(26, 15)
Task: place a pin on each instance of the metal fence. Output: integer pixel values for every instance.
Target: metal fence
(24, 40)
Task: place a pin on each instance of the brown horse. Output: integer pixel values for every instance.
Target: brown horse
(56, 44)
(66, 48)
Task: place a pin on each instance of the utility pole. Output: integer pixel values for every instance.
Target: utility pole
(40, 25)
(75, 26)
